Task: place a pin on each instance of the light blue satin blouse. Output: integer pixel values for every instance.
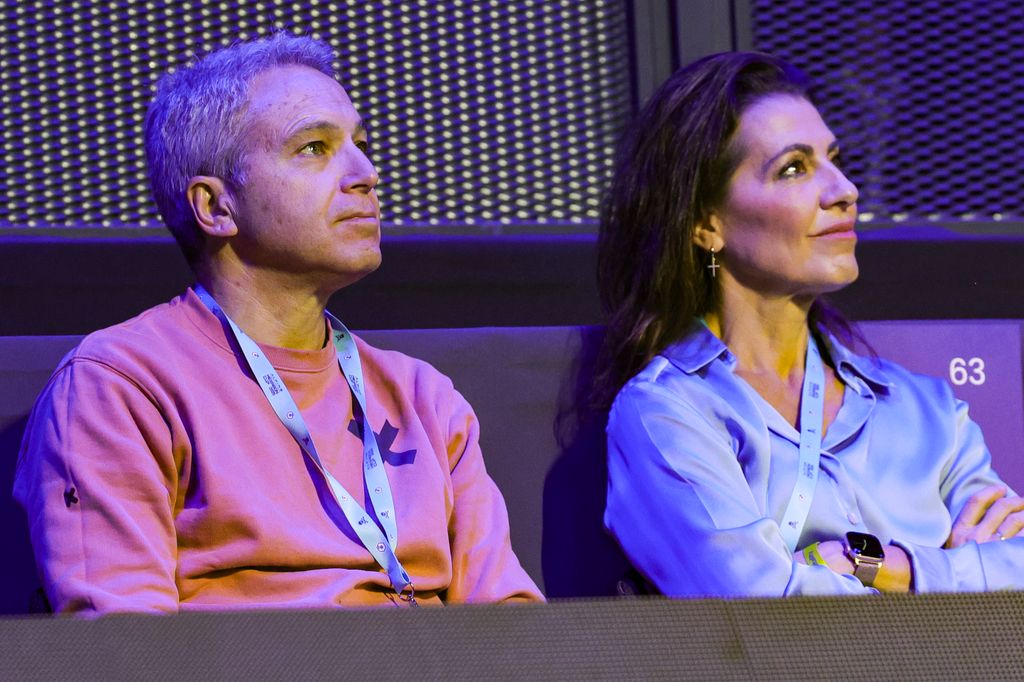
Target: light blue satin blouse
(701, 468)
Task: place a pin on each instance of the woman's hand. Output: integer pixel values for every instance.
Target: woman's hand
(989, 515)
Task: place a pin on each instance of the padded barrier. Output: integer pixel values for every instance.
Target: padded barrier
(548, 459)
(908, 637)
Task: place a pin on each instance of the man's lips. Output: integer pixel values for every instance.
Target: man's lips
(357, 215)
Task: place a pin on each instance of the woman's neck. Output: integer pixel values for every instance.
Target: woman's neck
(765, 334)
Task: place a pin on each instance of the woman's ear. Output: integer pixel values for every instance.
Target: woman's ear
(708, 234)
(212, 205)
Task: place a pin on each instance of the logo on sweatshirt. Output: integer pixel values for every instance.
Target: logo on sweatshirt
(385, 439)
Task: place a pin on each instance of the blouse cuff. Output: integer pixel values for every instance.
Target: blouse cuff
(931, 569)
(969, 568)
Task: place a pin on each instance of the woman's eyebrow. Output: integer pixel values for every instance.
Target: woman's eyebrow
(795, 147)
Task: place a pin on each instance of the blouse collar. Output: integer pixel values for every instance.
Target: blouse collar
(699, 348)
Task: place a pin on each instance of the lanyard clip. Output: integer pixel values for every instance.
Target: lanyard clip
(409, 596)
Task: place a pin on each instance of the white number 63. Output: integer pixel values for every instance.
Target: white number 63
(967, 371)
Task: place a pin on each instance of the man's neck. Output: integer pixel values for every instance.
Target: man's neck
(270, 311)
(765, 333)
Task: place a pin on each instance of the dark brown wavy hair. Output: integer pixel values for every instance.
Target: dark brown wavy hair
(672, 169)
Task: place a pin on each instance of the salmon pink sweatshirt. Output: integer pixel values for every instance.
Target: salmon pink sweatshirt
(156, 477)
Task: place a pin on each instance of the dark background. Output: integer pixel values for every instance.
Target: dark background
(493, 126)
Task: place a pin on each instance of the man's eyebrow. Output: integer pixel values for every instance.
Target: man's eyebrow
(321, 126)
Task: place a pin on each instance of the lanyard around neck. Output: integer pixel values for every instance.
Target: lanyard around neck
(812, 414)
(381, 540)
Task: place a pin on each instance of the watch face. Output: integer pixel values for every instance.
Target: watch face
(865, 544)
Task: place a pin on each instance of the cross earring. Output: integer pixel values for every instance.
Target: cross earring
(713, 265)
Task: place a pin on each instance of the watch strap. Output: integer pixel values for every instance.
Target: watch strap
(865, 569)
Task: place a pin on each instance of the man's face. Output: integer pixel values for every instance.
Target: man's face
(307, 209)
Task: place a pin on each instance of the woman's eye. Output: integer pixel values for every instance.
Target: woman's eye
(792, 169)
(314, 148)
(363, 146)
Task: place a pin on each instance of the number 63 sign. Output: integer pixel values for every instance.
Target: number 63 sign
(970, 371)
(982, 360)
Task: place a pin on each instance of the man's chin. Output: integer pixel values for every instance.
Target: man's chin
(357, 270)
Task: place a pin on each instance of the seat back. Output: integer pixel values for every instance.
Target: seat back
(547, 455)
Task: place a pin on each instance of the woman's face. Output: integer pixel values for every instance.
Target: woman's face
(786, 224)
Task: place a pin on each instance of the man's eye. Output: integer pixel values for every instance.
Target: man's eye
(363, 146)
(314, 148)
(837, 161)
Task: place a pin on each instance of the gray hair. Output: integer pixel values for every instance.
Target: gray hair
(195, 122)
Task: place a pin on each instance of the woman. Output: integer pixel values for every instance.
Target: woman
(751, 451)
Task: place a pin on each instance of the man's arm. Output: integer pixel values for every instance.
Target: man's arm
(484, 567)
(97, 478)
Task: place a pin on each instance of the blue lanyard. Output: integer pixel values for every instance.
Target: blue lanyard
(373, 537)
(812, 414)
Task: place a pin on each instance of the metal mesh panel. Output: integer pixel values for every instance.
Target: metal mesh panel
(924, 94)
(483, 113)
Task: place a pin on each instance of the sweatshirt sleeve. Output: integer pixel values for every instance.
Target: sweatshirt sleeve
(684, 514)
(484, 567)
(97, 478)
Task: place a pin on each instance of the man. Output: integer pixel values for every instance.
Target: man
(234, 447)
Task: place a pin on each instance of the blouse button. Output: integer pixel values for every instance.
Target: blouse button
(853, 518)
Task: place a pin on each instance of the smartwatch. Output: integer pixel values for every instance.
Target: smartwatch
(866, 553)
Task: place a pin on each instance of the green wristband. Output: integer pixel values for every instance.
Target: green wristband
(812, 556)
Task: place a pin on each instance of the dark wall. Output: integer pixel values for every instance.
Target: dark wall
(61, 286)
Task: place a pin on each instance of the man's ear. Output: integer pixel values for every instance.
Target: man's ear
(212, 205)
(708, 233)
